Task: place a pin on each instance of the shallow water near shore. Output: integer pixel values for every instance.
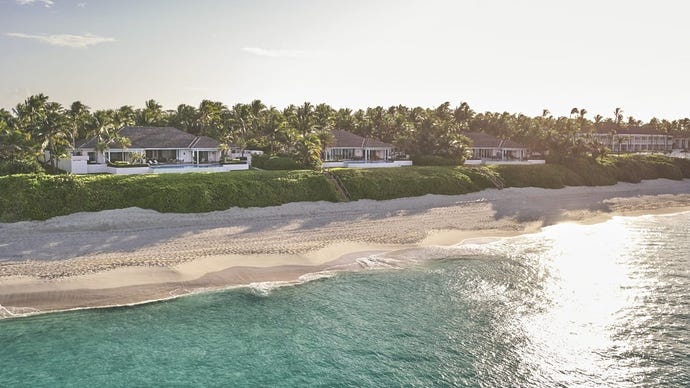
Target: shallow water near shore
(593, 305)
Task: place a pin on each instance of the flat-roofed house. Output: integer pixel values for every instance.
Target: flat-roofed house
(634, 139)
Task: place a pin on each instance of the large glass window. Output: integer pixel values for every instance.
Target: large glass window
(342, 154)
(119, 156)
(162, 155)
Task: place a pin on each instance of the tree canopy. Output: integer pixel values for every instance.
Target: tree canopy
(301, 131)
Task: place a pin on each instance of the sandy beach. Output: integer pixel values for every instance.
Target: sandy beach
(133, 255)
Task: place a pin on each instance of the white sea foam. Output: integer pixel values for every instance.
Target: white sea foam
(15, 312)
(379, 262)
(265, 288)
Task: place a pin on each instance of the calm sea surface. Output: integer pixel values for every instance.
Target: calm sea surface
(574, 305)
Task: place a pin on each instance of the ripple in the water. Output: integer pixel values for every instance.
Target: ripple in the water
(595, 305)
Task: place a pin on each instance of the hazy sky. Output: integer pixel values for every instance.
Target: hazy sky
(503, 55)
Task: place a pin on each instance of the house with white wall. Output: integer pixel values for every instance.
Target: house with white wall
(351, 150)
(165, 149)
(486, 147)
(634, 139)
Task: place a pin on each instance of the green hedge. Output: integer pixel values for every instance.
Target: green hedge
(37, 197)
(387, 183)
(634, 168)
(20, 166)
(266, 162)
(41, 196)
(433, 160)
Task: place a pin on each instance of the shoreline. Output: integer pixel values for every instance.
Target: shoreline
(90, 260)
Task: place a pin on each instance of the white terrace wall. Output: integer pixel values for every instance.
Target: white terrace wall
(75, 165)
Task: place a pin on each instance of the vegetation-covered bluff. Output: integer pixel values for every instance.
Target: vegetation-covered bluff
(41, 196)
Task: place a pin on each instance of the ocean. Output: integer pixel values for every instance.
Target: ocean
(573, 305)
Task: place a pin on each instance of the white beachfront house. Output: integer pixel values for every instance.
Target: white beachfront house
(350, 150)
(486, 147)
(166, 149)
(635, 139)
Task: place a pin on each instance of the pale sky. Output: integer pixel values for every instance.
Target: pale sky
(502, 55)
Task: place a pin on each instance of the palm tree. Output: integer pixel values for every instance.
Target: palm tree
(45, 124)
(57, 132)
(271, 125)
(186, 118)
(463, 113)
(151, 115)
(80, 119)
(303, 119)
(210, 116)
(125, 116)
(618, 116)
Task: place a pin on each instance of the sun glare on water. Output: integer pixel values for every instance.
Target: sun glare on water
(593, 286)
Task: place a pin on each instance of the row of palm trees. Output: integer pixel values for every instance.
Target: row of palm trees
(38, 125)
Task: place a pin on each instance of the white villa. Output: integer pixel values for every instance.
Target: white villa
(636, 139)
(166, 149)
(350, 150)
(486, 147)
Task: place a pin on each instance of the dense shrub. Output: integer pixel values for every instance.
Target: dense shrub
(40, 196)
(20, 166)
(433, 160)
(592, 172)
(388, 183)
(634, 168)
(549, 176)
(266, 162)
(683, 165)
(37, 197)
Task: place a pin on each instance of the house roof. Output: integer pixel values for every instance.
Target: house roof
(350, 140)
(158, 137)
(205, 142)
(484, 140)
(79, 143)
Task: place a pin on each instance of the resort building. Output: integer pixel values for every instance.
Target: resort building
(635, 139)
(164, 149)
(681, 143)
(350, 150)
(486, 147)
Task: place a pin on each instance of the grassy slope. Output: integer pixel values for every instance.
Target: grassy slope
(36, 197)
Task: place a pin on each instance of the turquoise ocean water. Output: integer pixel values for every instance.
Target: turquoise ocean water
(574, 305)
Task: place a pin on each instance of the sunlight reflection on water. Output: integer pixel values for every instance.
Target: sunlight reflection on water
(597, 281)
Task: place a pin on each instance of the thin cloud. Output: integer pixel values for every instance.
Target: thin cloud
(65, 40)
(275, 53)
(81, 5)
(46, 3)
